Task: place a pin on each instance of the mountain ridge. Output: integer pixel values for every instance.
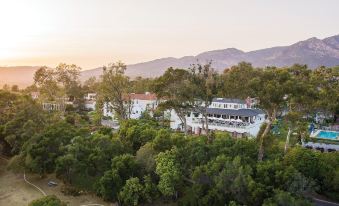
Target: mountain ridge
(313, 51)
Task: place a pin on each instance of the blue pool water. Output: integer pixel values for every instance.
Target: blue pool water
(328, 135)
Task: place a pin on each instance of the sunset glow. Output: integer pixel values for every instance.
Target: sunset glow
(93, 33)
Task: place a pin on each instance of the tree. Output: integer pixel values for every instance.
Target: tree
(304, 160)
(55, 84)
(43, 149)
(235, 81)
(329, 174)
(162, 141)
(68, 76)
(91, 85)
(169, 171)
(6, 87)
(65, 165)
(132, 192)
(15, 88)
(145, 157)
(229, 178)
(135, 134)
(282, 198)
(270, 87)
(50, 200)
(141, 85)
(109, 185)
(150, 190)
(86, 159)
(27, 119)
(174, 86)
(45, 80)
(299, 100)
(8, 108)
(293, 120)
(125, 165)
(103, 149)
(326, 82)
(203, 79)
(114, 90)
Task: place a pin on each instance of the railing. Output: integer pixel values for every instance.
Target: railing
(227, 125)
(241, 125)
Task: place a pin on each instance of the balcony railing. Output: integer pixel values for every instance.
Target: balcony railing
(220, 123)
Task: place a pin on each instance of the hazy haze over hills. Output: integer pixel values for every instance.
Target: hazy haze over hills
(313, 52)
(19, 75)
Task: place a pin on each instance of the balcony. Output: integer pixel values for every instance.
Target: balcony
(223, 123)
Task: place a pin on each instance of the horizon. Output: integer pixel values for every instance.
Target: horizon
(84, 69)
(92, 34)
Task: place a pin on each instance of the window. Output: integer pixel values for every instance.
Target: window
(235, 106)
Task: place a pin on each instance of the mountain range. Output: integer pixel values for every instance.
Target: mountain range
(314, 52)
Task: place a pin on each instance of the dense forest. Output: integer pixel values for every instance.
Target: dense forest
(145, 162)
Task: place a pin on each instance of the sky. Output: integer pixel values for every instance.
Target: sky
(92, 33)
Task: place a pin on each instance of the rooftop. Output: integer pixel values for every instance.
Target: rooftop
(228, 100)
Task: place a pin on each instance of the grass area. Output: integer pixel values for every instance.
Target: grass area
(15, 192)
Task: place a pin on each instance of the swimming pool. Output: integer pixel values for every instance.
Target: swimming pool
(328, 135)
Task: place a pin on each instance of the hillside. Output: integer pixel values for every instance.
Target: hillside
(19, 75)
(313, 52)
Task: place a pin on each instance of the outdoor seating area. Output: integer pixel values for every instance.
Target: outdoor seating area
(224, 123)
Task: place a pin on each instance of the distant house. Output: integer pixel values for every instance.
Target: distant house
(53, 106)
(35, 95)
(139, 104)
(90, 101)
(231, 115)
(59, 104)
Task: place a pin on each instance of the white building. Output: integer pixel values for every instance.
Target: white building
(58, 104)
(53, 106)
(35, 95)
(139, 104)
(232, 115)
(90, 100)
